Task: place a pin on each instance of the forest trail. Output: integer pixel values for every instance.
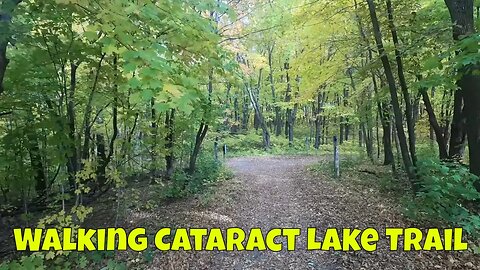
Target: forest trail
(279, 192)
(275, 194)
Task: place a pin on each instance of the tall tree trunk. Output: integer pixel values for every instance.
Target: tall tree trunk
(341, 124)
(245, 113)
(236, 115)
(458, 132)
(461, 13)
(387, 134)
(36, 161)
(88, 111)
(367, 134)
(278, 117)
(72, 163)
(105, 159)
(318, 119)
(101, 160)
(377, 133)
(169, 143)
(202, 130)
(289, 114)
(403, 85)
(258, 112)
(384, 114)
(129, 134)
(256, 122)
(470, 84)
(448, 116)
(432, 132)
(442, 144)
(346, 104)
(154, 137)
(393, 93)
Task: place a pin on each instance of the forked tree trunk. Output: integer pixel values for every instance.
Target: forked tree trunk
(442, 144)
(258, 112)
(201, 133)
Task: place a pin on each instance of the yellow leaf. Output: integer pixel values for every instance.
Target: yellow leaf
(172, 90)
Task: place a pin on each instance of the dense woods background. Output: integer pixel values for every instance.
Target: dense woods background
(98, 97)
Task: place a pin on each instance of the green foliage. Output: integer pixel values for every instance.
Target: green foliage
(207, 173)
(32, 262)
(250, 144)
(98, 259)
(447, 195)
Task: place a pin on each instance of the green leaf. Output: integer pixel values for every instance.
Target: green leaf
(147, 94)
(162, 107)
(432, 63)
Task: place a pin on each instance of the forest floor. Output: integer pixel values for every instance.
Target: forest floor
(276, 192)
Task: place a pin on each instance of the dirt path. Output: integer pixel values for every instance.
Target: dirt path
(275, 192)
(274, 195)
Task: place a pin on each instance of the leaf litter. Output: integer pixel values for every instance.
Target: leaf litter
(279, 192)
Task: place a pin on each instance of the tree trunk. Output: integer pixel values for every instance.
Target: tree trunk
(442, 144)
(458, 130)
(278, 117)
(36, 160)
(169, 143)
(258, 112)
(105, 159)
(203, 129)
(346, 104)
(288, 116)
(393, 93)
(461, 13)
(341, 124)
(256, 122)
(470, 85)
(245, 113)
(101, 161)
(88, 111)
(403, 85)
(201, 133)
(384, 114)
(236, 115)
(72, 163)
(154, 130)
(387, 135)
(318, 119)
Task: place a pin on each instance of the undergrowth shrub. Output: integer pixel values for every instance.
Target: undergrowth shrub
(208, 172)
(104, 260)
(251, 144)
(447, 195)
